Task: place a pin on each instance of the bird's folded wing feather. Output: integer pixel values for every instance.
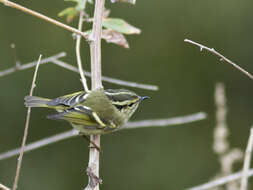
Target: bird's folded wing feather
(69, 100)
(80, 115)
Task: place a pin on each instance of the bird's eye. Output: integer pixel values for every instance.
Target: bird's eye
(119, 107)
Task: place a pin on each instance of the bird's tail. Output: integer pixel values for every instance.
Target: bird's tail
(34, 101)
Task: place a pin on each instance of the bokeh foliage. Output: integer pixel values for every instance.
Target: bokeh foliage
(168, 158)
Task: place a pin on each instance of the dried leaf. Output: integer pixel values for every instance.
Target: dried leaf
(125, 1)
(112, 36)
(70, 13)
(120, 25)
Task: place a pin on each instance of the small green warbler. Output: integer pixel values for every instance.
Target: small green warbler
(97, 112)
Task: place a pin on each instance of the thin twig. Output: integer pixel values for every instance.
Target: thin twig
(31, 64)
(130, 125)
(15, 57)
(4, 187)
(246, 165)
(15, 183)
(211, 50)
(43, 17)
(40, 143)
(96, 83)
(165, 122)
(107, 79)
(221, 181)
(78, 56)
(221, 131)
(55, 59)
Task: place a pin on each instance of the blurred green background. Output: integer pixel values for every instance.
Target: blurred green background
(163, 158)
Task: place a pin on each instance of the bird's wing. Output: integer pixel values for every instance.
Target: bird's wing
(80, 115)
(69, 100)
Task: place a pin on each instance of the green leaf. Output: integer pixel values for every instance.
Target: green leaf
(70, 13)
(80, 5)
(120, 25)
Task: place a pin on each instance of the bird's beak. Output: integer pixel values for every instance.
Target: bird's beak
(144, 97)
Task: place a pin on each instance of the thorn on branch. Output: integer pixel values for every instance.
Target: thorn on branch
(212, 50)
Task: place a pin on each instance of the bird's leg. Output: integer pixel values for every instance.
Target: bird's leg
(91, 142)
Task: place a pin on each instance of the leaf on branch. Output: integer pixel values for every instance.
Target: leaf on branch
(70, 13)
(124, 1)
(112, 36)
(120, 25)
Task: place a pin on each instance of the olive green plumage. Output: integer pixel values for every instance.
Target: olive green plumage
(97, 112)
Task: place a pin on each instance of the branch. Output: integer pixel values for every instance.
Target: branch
(221, 181)
(130, 125)
(211, 50)
(15, 183)
(4, 187)
(246, 165)
(43, 17)
(96, 83)
(165, 122)
(32, 64)
(40, 143)
(55, 59)
(78, 56)
(108, 79)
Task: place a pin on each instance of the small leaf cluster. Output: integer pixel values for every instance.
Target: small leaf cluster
(114, 29)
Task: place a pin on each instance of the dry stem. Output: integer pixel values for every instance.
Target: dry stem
(96, 83)
(4, 187)
(108, 79)
(130, 125)
(246, 165)
(31, 64)
(211, 50)
(221, 181)
(15, 183)
(43, 17)
(55, 59)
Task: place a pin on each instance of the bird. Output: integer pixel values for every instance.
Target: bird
(95, 112)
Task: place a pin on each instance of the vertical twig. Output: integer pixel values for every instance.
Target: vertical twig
(221, 131)
(15, 183)
(246, 165)
(227, 156)
(78, 56)
(96, 83)
(95, 46)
